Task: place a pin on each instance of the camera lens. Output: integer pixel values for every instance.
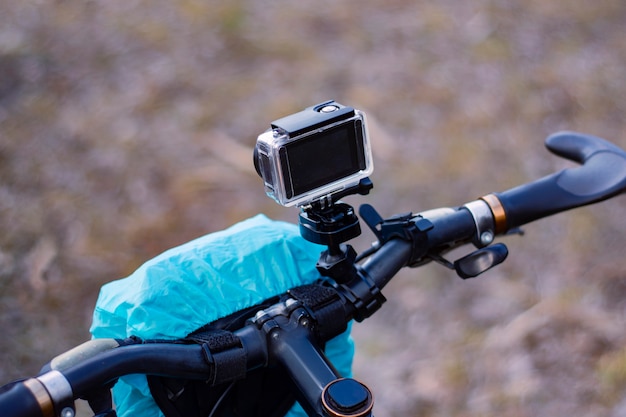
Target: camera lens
(255, 159)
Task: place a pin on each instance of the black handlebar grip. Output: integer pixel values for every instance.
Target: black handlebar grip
(601, 176)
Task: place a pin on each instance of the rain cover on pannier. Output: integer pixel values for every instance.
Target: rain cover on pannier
(196, 283)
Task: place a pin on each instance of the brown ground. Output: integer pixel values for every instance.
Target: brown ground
(126, 128)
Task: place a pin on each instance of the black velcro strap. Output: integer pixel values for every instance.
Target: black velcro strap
(313, 296)
(224, 351)
(229, 365)
(325, 306)
(216, 340)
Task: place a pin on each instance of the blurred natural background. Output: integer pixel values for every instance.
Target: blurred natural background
(126, 127)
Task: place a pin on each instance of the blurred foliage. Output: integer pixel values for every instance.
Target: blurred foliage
(612, 370)
(126, 127)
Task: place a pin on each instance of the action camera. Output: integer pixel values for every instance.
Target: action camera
(312, 154)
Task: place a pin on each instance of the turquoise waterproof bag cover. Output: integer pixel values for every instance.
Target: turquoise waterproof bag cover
(201, 281)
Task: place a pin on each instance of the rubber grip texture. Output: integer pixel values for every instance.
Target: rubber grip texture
(601, 176)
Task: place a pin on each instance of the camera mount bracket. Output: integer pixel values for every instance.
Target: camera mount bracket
(331, 223)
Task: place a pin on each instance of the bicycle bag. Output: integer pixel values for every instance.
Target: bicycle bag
(175, 294)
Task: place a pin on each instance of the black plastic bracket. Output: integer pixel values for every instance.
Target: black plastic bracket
(403, 226)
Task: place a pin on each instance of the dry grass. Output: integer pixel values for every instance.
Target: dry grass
(125, 129)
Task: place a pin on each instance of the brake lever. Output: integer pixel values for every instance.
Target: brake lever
(481, 260)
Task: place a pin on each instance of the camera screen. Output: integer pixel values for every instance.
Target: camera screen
(323, 158)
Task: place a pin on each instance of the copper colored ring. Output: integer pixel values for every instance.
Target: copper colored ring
(41, 395)
(499, 215)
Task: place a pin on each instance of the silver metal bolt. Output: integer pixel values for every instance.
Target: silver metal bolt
(486, 237)
(68, 412)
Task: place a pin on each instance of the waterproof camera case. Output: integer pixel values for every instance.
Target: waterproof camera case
(313, 154)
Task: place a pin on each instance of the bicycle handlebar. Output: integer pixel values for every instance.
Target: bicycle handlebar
(602, 175)
(26, 398)
(282, 333)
